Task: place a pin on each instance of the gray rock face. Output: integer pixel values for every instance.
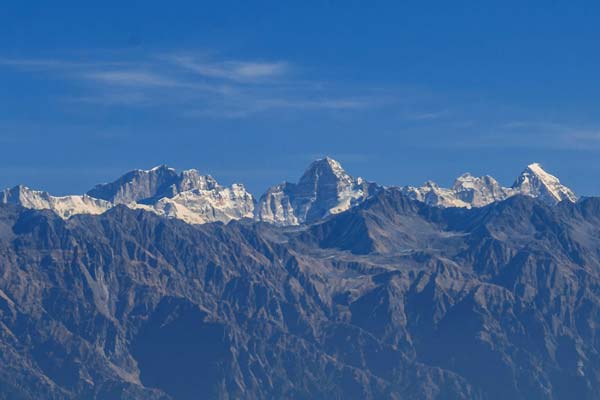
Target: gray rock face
(147, 186)
(390, 299)
(189, 196)
(325, 189)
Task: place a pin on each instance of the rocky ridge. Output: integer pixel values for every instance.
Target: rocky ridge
(392, 298)
(325, 189)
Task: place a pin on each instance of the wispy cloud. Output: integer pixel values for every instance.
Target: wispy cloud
(428, 116)
(242, 106)
(133, 78)
(535, 134)
(55, 64)
(541, 125)
(233, 70)
(557, 134)
(199, 86)
(333, 104)
(585, 138)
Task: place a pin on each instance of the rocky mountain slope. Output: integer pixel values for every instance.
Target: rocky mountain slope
(189, 196)
(392, 298)
(324, 189)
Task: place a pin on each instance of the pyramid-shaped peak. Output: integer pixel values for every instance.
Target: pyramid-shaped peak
(535, 170)
(326, 162)
(538, 170)
(536, 167)
(535, 181)
(324, 166)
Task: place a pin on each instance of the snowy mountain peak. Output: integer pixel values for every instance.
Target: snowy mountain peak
(161, 167)
(188, 195)
(324, 189)
(193, 179)
(536, 182)
(335, 166)
(536, 170)
(325, 167)
(478, 191)
(536, 167)
(471, 191)
(64, 206)
(467, 176)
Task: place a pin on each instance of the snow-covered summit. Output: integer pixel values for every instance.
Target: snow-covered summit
(536, 182)
(64, 206)
(189, 195)
(324, 189)
(199, 206)
(470, 191)
(479, 191)
(431, 193)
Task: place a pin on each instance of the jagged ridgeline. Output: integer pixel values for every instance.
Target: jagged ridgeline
(329, 288)
(323, 190)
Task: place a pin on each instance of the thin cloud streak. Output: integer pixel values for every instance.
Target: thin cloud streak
(233, 70)
(199, 87)
(532, 135)
(133, 78)
(429, 116)
(559, 134)
(54, 64)
(244, 107)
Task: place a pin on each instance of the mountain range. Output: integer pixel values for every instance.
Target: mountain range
(330, 288)
(324, 189)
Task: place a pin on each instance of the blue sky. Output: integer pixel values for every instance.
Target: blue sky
(399, 92)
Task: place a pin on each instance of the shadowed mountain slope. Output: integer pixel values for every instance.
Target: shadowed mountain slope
(389, 299)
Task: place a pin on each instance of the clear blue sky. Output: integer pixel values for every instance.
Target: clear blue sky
(399, 92)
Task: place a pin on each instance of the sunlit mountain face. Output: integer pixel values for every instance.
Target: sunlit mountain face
(168, 285)
(323, 190)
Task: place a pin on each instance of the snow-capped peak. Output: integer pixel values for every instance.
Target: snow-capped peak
(472, 191)
(188, 195)
(158, 167)
(193, 179)
(536, 182)
(64, 206)
(323, 167)
(478, 191)
(335, 166)
(324, 189)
